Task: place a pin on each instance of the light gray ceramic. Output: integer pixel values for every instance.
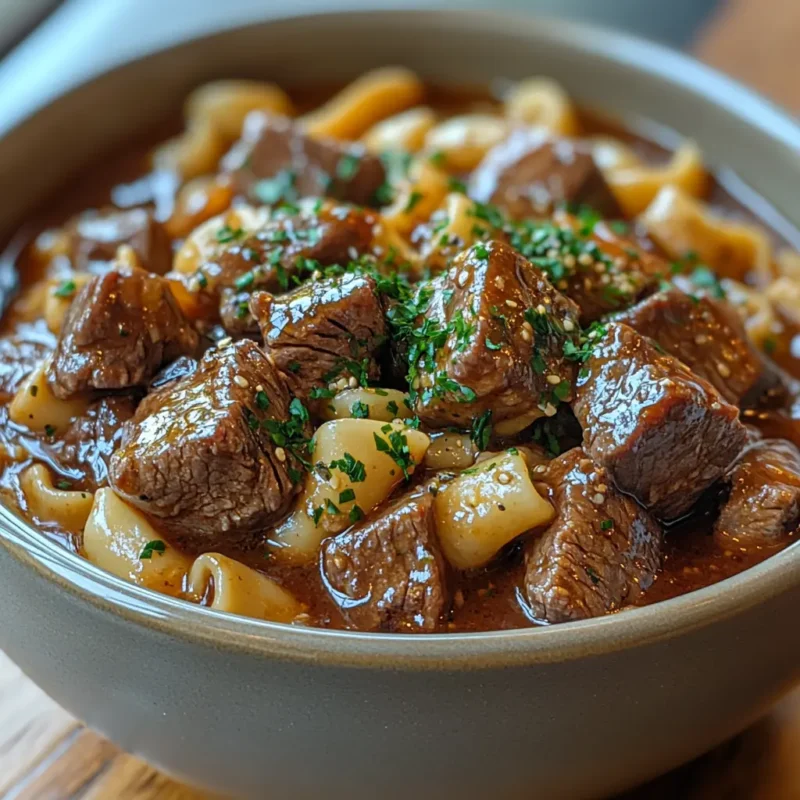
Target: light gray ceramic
(266, 710)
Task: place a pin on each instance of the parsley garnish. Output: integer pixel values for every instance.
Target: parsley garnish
(346, 496)
(262, 401)
(227, 234)
(354, 469)
(65, 289)
(396, 447)
(481, 431)
(595, 578)
(273, 190)
(356, 514)
(606, 524)
(347, 167)
(154, 546)
(392, 408)
(359, 410)
(413, 200)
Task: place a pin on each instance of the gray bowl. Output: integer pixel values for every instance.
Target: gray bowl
(254, 708)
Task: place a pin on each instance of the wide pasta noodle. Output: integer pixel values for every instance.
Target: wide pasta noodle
(635, 186)
(374, 96)
(57, 301)
(403, 132)
(235, 588)
(760, 320)
(196, 201)
(68, 508)
(450, 450)
(38, 409)
(354, 477)
(417, 197)
(195, 152)
(542, 101)
(225, 104)
(384, 405)
(486, 507)
(680, 224)
(461, 142)
(116, 537)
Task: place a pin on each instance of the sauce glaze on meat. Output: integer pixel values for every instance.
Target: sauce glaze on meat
(417, 360)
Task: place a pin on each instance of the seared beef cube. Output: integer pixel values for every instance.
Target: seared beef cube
(663, 433)
(276, 161)
(590, 262)
(599, 554)
(530, 173)
(289, 249)
(202, 454)
(323, 336)
(180, 368)
(764, 500)
(705, 334)
(95, 236)
(387, 573)
(92, 438)
(490, 336)
(121, 328)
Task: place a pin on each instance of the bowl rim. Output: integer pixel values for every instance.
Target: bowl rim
(627, 629)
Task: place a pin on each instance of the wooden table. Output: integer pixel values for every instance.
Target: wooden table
(47, 755)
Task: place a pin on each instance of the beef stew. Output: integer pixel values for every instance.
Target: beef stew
(467, 369)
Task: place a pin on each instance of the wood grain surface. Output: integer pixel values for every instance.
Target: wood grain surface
(47, 755)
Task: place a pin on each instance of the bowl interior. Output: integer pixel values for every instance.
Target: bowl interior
(619, 74)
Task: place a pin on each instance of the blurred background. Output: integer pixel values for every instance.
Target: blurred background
(47, 45)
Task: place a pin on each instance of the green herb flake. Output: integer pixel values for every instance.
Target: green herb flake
(354, 469)
(65, 486)
(154, 546)
(347, 167)
(606, 524)
(227, 234)
(595, 578)
(262, 401)
(65, 289)
(481, 431)
(359, 410)
(346, 496)
(356, 514)
(413, 201)
(316, 514)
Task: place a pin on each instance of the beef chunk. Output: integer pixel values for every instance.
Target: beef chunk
(530, 173)
(120, 329)
(324, 334)
(274, 160)
(599, 554)
(705, 334)
(201, 455)
(95, 236)
(387, 573)
(92, 438)
(490, 335)
(663, 433)
(597, 267)
(764, 500)
(290, 248)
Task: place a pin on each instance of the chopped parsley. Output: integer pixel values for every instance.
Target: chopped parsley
(281, 187)
(359, 410)
(354, 469)
(346, 496)
(262, 401)
(481, 431)
(49, 431)
(356, 514)
(65, 289)
(395, 445)
(227, 234)
(606, 524)
(413, 201)
(456, 185)
(594, 577)
(392, 408)
(154, 546)
(706, 278)
(490, 345)
(320, 393)
(438, 158)
(347, 167)
(63, 485)
(331, 507)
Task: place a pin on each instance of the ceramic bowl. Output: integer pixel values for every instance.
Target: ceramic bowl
(259, 709)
